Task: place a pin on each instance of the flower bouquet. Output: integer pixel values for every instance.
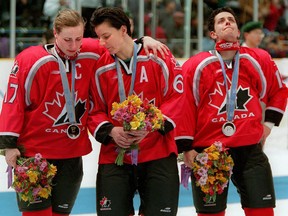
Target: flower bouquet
(212, 170)
(135, 114)
(33, 178)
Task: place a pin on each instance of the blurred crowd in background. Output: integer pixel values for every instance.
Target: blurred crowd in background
(34, 20)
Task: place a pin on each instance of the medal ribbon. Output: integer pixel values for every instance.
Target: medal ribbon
(121, 88)
(231, 96)
(69, 95)
(122, 94)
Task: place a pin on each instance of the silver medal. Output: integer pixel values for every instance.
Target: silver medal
(228, 129)
(73, 131)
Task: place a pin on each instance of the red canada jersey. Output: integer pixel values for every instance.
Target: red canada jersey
(158, 80)
(34, 113)
(259, 91)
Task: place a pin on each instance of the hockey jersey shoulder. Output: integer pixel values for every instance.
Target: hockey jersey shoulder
(33, 52)
(105, 59)
(196, 60)
(257, 53)
(25, 60)
(92, 45)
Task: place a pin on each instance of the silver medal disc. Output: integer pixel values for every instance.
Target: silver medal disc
(73, 131)
(228, 129)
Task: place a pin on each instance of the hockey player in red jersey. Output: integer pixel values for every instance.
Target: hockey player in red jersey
(233, 95)
(159, 80)
(46, 107)
(34, 116)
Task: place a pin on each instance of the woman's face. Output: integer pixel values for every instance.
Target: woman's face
(225, 28)
(69, 40)
(110, 37)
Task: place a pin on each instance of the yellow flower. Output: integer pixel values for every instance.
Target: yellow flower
(24, 197)
(196, 166)
(33, 176)
(135, 100)
(229, 160)
(44, 192)
(157, 125)
(205, 189)
(17, 183)
(114, 108)
(220, 177)
(140, 116)
(134, 125)
(52, 170)
(224, 168)
(214, 156)
(211, 179)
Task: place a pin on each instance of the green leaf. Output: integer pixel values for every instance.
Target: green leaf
(120, 157)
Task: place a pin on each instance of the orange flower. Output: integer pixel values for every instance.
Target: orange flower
(212, 169)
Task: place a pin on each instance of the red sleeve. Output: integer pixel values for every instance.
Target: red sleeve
(171, 99)
(276, 92)
(186, 129)
(12, 113)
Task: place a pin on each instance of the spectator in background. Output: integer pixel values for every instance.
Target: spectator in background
(4, 23)
(273, 44)
(88, 7)
(276, 11)
(52, 7)
(132, 24)
(215, 3)
(160, 32)
(177, 45)
(166, 17)
(4, 47)
(29, 13)
(246, 8)
(4, 13)
(208, 43)
(252, 34)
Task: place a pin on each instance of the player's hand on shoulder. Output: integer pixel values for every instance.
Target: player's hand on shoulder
(156, 46)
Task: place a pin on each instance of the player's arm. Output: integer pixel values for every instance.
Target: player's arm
(156, 46)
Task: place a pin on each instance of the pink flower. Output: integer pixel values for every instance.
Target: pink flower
(43, 165)
(202, 171)
(202, 158)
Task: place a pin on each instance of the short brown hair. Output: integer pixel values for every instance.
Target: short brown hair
(115, 16)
